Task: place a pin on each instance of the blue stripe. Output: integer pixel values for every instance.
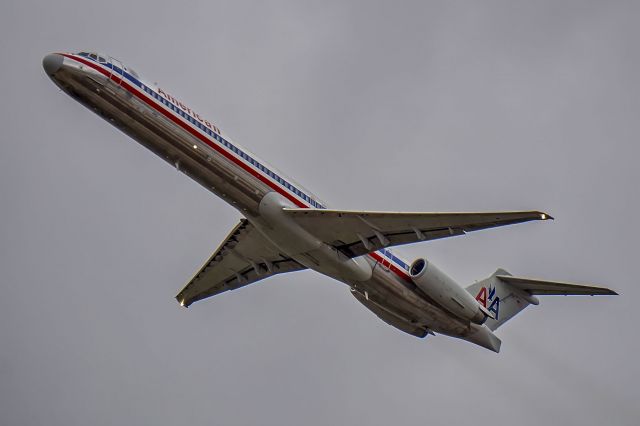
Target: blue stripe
(390, 256)
(247, 158)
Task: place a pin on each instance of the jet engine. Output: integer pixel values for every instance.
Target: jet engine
(446, 292)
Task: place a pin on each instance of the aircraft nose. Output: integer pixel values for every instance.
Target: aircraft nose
(52, 63)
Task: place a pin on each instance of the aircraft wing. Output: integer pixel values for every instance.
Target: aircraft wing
(356, 233)
(242, 259)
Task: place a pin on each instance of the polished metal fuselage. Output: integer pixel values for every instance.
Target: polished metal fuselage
(132, 111)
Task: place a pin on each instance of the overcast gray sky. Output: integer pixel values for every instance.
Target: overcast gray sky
(421, 106)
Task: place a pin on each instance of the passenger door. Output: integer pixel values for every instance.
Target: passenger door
(117, 70)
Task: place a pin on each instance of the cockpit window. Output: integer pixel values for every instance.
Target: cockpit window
(104, 59)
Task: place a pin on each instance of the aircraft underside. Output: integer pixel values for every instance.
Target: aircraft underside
(287, 229)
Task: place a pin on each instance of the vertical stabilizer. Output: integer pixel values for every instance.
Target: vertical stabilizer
(500, 299)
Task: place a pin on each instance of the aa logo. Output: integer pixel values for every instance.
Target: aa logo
(489, 298)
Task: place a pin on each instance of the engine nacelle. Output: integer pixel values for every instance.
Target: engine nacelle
(446, 292)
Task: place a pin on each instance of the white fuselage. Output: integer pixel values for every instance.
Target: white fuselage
(198, 148)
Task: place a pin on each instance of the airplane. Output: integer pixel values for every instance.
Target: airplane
(286, 228)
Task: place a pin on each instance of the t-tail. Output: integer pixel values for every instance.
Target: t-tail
(504, 296)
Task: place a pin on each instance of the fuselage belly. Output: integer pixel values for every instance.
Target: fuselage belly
(198, 148)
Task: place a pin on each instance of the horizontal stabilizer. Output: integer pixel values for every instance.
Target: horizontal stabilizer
(543, 287)
(505, 295)
(482, 335)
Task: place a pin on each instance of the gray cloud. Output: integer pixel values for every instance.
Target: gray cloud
(373, 105)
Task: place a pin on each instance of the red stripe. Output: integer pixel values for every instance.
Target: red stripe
(151, 102)
(400, 272)
(190, 129)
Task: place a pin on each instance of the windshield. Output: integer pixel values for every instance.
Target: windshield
(95, 56)
(106, 59)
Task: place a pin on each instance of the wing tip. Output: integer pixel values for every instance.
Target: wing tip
(183, 301)
(601, 291)
(545, 216)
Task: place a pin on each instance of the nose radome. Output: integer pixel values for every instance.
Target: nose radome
(52, 63)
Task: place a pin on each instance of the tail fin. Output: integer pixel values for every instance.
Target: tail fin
(505, 295)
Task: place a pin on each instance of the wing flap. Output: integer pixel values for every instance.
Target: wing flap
(356, 233)
(243, 258)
